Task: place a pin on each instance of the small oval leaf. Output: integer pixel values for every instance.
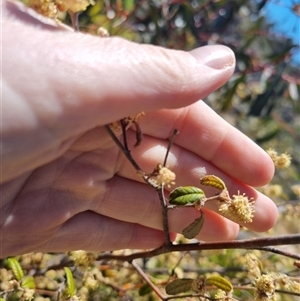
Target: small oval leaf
(194, 228)
(70, 282)
(15, 267)
(179, 286)
(219, 282)
(186, 195)
(213, 181)
(28, 282)
(145, 289)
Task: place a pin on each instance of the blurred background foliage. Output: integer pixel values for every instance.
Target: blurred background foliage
(261, 99)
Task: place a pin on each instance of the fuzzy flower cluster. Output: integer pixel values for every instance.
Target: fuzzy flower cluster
(50, 8)
(265, 288)
(296, 189)
(253, 265)
(265, 284)
(164, 176)
(274, 190)
(83, 258)
(287, 283)
(280, 161)
(222, 296)
(239, 209)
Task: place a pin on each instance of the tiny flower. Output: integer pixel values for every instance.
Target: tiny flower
(164, 176)
(265, 288)
(283, 161)
(273, 154)
(28, 294)
(287, 283)
(102, 32)
(46, 8)
(83, 258)
(280, 161)
(90, 282)
(296, 189)
(222, 296)
(73, 5)
(238, 209)
(273, 190)
(253, 265)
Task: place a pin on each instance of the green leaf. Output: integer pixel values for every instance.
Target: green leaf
(28, 282)
(128, 5)
(145, 289)
(15, 267)
(70, 282)
(186, 195)
(219, 282)
(194, 228)
(179, 286)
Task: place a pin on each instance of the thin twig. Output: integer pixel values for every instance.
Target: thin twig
(280, 252)
(146, 278)
(171, 141)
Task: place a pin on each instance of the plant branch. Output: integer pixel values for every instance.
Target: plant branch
(254, 244)
(164, 207)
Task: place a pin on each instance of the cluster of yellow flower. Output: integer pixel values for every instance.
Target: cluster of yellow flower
(239, 208)
(164, 176)
(266, 283)
(280, 161)
(83, 258)
(50, 8)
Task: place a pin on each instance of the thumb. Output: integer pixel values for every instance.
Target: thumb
(119, 78)
(57, 84)
(93, 81)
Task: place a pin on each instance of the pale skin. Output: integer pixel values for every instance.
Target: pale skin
(66, 185)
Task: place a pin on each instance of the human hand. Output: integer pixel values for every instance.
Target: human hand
(65, 184)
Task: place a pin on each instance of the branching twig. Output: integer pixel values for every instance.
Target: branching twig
(160, 190)
(256, 243)
(125, 151)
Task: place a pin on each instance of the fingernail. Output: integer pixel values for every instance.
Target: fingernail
(216, 57)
